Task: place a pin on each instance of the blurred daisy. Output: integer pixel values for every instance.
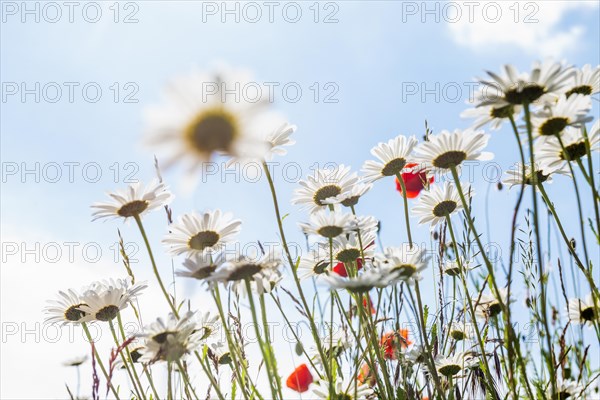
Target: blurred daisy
(566, 389)
(329, 224)
(455, 268)
(583, 311)
(134, 201)
(450, 149)
(585, 81)
(514, 176)
(75, 362)
(348, 389)
(275, 142)
(104, 302)
(170, 340)
(571, 111)
(440, 201)
(551, 155)
(206, 113)
(488, 305)
(362, 283)
(325, 185)
(350, 197)
(392, 158)
(513, 87)
(219, 351)
(403, 262)
(196, 234)
(493, 115)
(261, 272)
(65, 309)
(201, 266)
(334, 344)
(452, 365)
(459, 331)
(206, 326)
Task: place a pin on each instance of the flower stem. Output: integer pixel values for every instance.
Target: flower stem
(410, 241)
(99, 360)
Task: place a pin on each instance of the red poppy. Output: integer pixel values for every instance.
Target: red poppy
(300, 379)
(365, 376)
(414, 181)
(393, 342)
(340, 268)
(373, 310)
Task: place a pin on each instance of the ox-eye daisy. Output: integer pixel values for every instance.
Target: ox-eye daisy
(362, 283)
(65, 309)
(439, 202)
(553, 119)
(487, 305)
(449, 149)
(200, 233)
(393, 157)
(316, 262)
(511, 87)
(347, 248)
(347, 389)
(350, 197)
(201, 266)
(514, 176)
(206, 114)
(452, 365)
(324, 187)
(551, 155)
(494, 116)
(404, 262)
(585, 81)
(104, 302)
(583, 311)
(329, 224)
(261, 272)
(133, 201)
(169, 341)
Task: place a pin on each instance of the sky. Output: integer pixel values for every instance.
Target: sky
(366, 71)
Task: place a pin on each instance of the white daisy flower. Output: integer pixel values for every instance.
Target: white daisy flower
(329, 224)
(550, 153)
(450, 149)
(492, 115)
(347, 389)
(512, 87)
(403, 263)
(585, 81)
(107, 298)
(275, 143)
(134, 201)
(65, 309)
(334, 344)
(219, 351)
(365, 223)
(362, 283)
(486, 305)
(170, 340)
(316, 262)
(201, 266)
(350, 197)
(452, 365)
(416, 355)
(553, 119)
(460, 331)
(324, 184)
(208, 113)
(455, 268)
(514, 176)
(583, 311)
(75, 361)
(440, 201)
(566, 389)
(201, 233)
(347, 248)
(207, 326)
(393, 157)
(262, 272)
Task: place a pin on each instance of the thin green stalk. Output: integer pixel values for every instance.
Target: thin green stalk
(211, 378)
(307, 309)
(186, 379)
(588, 151)
(125, 363)
(99, 360)
(122, 330)
(408, 233)
(138, 220)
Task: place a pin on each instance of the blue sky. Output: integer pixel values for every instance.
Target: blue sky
(371, 54)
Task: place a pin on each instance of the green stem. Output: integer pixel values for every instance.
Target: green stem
(138, 220)
(98, 359)
(122, 330)
(131, 378)
(186, 379)
(410, 241)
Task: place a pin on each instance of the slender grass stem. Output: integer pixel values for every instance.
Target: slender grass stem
(99, 360)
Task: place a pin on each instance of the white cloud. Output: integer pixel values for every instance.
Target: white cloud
(534, 27)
